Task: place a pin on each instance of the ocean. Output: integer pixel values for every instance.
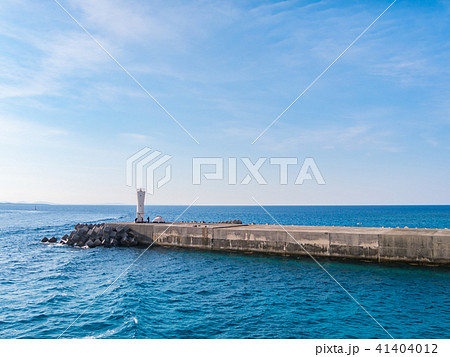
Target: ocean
(177, 293)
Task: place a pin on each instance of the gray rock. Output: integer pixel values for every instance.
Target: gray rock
(83, 230)
(125, 242)
(44, 240)
(119, 229)
(133, 241)
(97, 243)
(64, 239)
(52, 240)
(90, 244)
(72, 239)
(106, 243)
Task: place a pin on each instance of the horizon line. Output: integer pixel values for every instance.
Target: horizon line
(227, 204)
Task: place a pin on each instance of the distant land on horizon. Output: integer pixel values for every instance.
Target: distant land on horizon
(218, 205)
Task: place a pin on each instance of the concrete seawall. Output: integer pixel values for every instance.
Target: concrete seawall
(419, 246)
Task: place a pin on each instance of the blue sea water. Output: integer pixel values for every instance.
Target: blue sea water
(176, 293)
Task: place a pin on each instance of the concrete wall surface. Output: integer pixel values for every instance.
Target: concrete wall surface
(421, 246)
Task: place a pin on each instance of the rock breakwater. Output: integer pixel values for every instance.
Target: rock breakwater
(96, 235)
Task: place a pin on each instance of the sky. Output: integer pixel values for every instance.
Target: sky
(377, 123)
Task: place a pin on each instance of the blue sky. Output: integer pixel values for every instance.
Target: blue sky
(377, 123)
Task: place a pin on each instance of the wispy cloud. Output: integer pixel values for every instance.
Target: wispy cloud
(226, 69)
(53, 62)
(136, 138)
(162, 23)
(349, 138)
(18, 132)
(406, 70)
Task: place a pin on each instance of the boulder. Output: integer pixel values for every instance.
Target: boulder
(133, 242)
(125, 242)
(119, 229)
(90, 244)
(97, 243)
(83, 230)
(106, 243)
(52, 240)
(114, 242)
(44, 240)
(64, 239)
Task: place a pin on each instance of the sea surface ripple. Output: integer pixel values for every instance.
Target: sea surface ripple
(176, 293)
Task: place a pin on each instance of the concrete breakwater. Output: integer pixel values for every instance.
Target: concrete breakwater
(95, 235)
(417, 246)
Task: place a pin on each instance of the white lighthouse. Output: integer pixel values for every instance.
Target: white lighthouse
(140, 206)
